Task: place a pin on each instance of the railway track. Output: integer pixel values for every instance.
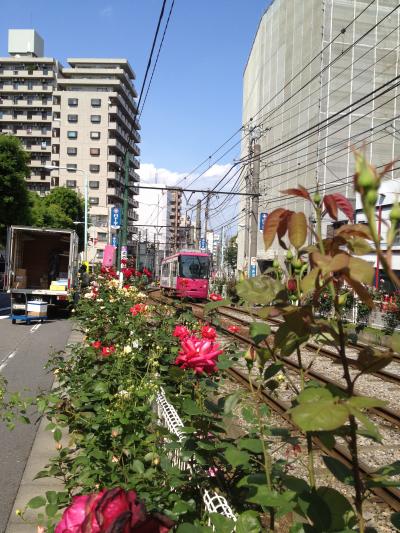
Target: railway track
(388, 495)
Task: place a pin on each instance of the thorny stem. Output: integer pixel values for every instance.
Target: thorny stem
(267, 457)
(358, 485)
(310, 452)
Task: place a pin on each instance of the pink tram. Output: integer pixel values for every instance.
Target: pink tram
(185, 274)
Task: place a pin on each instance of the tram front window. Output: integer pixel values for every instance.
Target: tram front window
(193, 267)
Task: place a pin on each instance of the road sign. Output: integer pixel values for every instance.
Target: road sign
(203, 244)
(124, 252)
(114, 240)
(253, 261)
(253, 271)
(263, 218)
(115, 218)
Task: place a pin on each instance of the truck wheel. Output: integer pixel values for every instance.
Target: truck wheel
(13, 321)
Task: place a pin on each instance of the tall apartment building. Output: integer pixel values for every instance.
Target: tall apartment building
(318, 82)
(80, 118)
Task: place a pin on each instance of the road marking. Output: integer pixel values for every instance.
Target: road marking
(35, 327)
(6, 359)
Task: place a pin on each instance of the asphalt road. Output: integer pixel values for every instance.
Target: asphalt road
(24, 350)
(4, 304)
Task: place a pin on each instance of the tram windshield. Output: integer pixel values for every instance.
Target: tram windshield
(193, 266)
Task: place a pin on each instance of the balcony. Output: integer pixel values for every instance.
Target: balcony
(35, 102)
(136, 162)
(32, 132)
(134, 203)
(24, 73)
(134, 190)
(39, 148)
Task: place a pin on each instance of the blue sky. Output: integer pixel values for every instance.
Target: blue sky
(195, 100)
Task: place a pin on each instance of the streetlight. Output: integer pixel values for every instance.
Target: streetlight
(381, 199)
(85, 175)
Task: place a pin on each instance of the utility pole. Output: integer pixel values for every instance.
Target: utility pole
(123, 241)
(198, 223)
(255, 187)
(176, 223)
(222, 249)
(206, 215)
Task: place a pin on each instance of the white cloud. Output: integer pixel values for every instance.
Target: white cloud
(149, 173)
(217, 171)
(106, 11)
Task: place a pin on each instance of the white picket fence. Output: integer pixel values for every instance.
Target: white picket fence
(169, 418)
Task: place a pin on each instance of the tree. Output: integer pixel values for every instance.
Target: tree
(59, 209)
(14, 195)
(231, 253)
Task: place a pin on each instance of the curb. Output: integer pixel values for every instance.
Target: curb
(42, 449)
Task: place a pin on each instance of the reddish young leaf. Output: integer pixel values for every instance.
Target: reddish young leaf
(344, 205)
(330, 206)
(297, 227)
(271, 226)
(283, 226)
(300, 191)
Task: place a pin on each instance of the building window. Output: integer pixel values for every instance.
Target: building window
(94, 184)
(72, 134)
(71, 150)
(95, 151)
(102, 237)
(96, 102)
(95, 119)
(94, 168)
(93, 200)
(73, 102)
(72, 118)
(99, 254)
(71, 167)
(95, 135)
(15, 86)
(30, 85)
(71, 184)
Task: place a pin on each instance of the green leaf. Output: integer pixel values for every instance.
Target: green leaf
(51, 496)
(314, 394)
(370, 430)
(51, 509)
(191, 408)
(231, 402)
(259, 331)
(237, 457)
(389, 470)
(137, 466)
(259, 290)
(252, 445)
(395, 519)
(272, 370)
(248, 522)
(269, 498)
(210, 306)
(57, 435)
(221, 523)
(297, 229)
(365, 402)
(325, 415)
(339, 470)
(307, 284)
(371, 360)
(342, 514)
(36, 502)
(190, 528)
(100, 387)
(361, 271)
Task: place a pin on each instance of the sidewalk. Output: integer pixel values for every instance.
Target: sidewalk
(43, 448)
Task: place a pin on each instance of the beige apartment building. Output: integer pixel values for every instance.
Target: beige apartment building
(77, 122)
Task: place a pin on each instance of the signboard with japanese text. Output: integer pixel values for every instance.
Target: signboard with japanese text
(115, 218)
(263, 218)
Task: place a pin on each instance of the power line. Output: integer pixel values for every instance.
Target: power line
(158, 55)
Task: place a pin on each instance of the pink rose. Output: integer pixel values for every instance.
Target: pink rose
(234, 329)
(199, 354)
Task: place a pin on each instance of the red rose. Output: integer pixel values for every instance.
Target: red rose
(96, 344)
(114, 510)
(207, 332)
(181, 332)
(215, 297)
(107, 350)
(234, 329)
(124, 261)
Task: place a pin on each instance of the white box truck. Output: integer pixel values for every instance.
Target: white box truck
(41, 266)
